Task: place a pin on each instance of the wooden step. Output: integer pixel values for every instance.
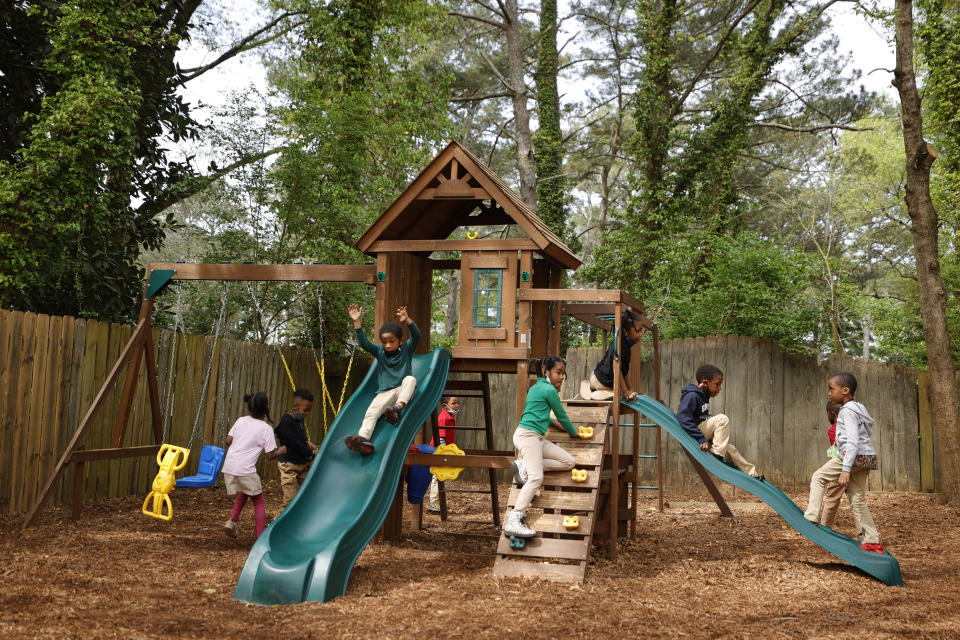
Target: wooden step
(564, 479)
(566, 501)
(553, 523)
(541, 547)
(585, 457)
(562, 437)
(587, 415)
(515, 568)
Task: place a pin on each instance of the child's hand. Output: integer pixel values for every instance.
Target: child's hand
(705, 446)
(844, 479)
(402, 315)
(282, 450)
(313, 447)
(355, 312)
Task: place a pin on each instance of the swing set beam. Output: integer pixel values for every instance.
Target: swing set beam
(140, 346)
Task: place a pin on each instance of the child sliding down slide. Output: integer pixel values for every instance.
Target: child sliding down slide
(396, 383)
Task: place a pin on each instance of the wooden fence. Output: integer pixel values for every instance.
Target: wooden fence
(776, 403)
(52, 367)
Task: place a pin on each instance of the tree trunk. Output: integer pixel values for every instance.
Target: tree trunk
(920, 156)
(548, 141)
(521, 114)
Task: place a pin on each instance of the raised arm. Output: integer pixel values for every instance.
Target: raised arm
(356, 315)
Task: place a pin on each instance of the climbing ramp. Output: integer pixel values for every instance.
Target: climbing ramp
(556, 553)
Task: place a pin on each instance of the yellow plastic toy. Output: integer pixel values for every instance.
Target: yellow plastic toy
(170, 459)
(585, 433)
(578, 475)
(447, 473)
(571, 522)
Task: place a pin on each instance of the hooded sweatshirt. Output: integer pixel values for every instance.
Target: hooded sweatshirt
(854, 427)
(694, 408)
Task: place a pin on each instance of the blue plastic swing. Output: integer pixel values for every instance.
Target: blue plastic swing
(211, 459)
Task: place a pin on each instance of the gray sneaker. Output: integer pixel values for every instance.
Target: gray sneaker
(519, 472)
(433, 507)
(516, 526)
(230, 528)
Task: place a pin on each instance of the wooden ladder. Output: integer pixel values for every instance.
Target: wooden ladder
(557, 554)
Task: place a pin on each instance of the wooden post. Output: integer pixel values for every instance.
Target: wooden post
(615, 440)
(130, 384)
(488, 428)
(656, 386)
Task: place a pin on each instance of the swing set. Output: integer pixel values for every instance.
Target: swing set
(139, 348)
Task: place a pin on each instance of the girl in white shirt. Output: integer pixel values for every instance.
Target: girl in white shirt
(249, 436)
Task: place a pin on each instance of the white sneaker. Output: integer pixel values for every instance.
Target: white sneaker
(433, 507)
(516, 526)
(230, 528)
(519, 472)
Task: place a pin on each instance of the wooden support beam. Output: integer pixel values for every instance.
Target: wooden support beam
(588, 308)
(136, 340)
(429, 246)
(591, 320)
(133, 373)
(272, 272)
(711, 487)
(150, 365)
(88, 455)
(430, 193)
(466, 461)
(445, 265)
(614, 296)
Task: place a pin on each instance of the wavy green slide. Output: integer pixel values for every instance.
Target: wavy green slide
(882, 566)
(307, 553)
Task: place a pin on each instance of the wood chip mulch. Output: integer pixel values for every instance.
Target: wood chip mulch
(118, 574)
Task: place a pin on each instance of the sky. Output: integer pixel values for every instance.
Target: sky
(867, 45)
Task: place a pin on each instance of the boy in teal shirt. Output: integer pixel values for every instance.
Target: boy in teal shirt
(396, 381)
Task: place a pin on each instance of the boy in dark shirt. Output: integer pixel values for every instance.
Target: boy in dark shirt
(292, 434)
(395, 372)
(600, 385)
(711, 432)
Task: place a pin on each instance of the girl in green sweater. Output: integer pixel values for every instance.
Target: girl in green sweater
(537, 453)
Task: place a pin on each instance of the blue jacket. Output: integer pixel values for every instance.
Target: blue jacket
(694, 408)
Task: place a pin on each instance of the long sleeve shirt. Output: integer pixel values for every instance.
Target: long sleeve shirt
(394, 365)
(694, 408)
(292, 434)
(541, 399)
(854, 428)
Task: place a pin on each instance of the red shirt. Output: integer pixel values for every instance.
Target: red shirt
(832, 434)
(446, 419)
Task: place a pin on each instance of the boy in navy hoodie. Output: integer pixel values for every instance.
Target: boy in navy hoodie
(711, 432)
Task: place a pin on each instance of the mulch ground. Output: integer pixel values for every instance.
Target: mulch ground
(117, 574)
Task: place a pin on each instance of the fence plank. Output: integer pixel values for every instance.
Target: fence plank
(925, 415)
(9, 380)
(26, 357)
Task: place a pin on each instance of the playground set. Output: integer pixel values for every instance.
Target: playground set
(511, 305)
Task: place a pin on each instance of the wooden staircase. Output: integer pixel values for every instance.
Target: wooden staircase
(558, 554)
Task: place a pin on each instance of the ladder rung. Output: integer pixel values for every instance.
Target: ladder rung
(465, 428)
(647, 456)
(651, 487)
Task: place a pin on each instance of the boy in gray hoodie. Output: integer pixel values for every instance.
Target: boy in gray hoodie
(852, 463)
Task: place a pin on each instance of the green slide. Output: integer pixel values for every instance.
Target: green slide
(307, 553)
(882, 566)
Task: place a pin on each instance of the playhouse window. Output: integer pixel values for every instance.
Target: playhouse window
(487, 287)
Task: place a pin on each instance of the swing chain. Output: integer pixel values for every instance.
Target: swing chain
(206, 377)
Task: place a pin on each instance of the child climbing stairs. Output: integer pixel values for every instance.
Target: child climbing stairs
(559, 553)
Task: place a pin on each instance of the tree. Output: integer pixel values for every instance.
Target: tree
(86, 172)
(920, 156)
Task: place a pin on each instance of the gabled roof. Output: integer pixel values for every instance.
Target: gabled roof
(442, 198)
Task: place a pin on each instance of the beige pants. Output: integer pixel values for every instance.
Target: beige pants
(717, 431)
(292, 476)
(434, 491)
(856, 490)
(382, 400)
(538, 454)
(831, 503)
(599, 391)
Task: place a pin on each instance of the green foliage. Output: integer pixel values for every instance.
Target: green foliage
(69, 235)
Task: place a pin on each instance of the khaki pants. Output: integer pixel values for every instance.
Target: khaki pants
(382, 400)
(831, 503)
(599, 391)
(434, 491)
(856, 490)
(717, 431)
(292, 476)
(538, 454)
